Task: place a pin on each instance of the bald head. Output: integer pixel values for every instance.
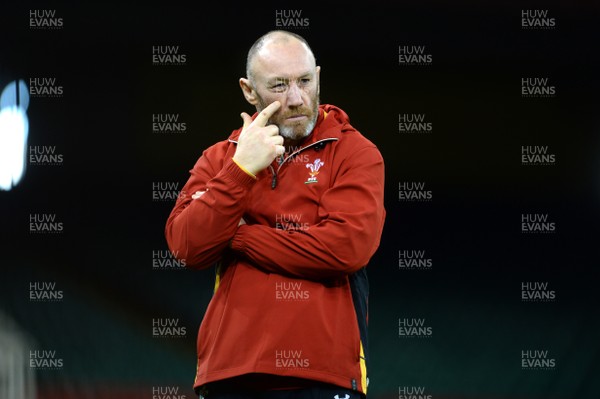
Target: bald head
(268, 46)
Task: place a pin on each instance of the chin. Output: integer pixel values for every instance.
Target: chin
(297, 132)
(293, 132)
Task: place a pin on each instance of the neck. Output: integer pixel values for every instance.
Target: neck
(292, 144)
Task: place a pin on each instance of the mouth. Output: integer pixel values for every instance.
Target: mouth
(295, 118)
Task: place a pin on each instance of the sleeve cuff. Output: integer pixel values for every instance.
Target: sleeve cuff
(236, 174)
(244, 169)
(237, 242)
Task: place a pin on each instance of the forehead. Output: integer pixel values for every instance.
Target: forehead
(283, 59)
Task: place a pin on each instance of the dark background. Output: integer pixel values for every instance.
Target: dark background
(471, 163)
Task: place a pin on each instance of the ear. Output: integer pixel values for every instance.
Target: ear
(248, 90)
(318, 72)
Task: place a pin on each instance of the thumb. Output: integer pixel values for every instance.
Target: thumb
(246, 118)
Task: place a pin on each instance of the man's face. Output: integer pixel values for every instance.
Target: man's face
(287, 73)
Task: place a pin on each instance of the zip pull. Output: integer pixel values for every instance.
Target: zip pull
(274, 181)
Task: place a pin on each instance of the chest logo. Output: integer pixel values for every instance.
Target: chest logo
(314, 170)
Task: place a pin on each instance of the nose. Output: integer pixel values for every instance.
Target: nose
(294, 96)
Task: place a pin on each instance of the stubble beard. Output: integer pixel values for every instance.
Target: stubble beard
(294, 132)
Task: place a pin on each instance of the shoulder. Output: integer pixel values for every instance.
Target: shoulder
(336, 123)
(213, 156)
(352, 142)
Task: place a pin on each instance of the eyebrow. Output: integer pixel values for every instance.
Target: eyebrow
(286, 79)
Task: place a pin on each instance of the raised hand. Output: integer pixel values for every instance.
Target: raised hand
(259, 143)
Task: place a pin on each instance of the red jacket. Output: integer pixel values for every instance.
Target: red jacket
(291, 289)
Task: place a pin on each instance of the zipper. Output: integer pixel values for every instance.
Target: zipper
(274, 179)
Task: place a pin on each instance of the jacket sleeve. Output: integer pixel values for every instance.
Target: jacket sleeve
(351, 215)
(198, 230)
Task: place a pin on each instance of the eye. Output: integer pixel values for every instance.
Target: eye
(304, 81)
(279, 87)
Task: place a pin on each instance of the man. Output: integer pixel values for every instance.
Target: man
(290, 209)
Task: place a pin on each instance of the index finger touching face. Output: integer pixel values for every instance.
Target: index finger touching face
(265, 114)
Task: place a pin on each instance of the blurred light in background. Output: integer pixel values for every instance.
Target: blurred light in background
(17, 379)
(14, 128)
